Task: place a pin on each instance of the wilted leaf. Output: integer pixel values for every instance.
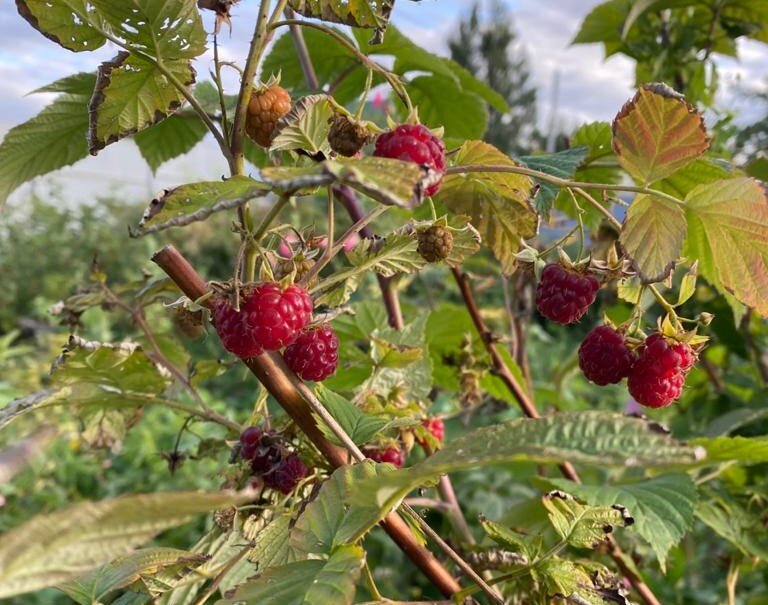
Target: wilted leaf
(652, 235)
(197, 201)
(656, 133)
(497, 202)
(582, 525)
(390, 256)
(317, 581)
(50, 549)
(305, 127)
(728, 234)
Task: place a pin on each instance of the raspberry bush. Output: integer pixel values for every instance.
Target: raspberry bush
(366, 391)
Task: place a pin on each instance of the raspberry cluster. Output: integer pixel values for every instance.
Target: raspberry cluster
(414, 143)
(563, 295)
(270, 460)
(655, 376)
(265, 108)
(269, 319)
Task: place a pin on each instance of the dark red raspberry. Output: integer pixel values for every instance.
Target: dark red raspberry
(287, 475)
(250, 439)
(269, 319)
(413, 143)
(657, 378)
(393, 454)
(315, 354)
(436, 427)
(266, 457)
(604, 356)
(563, 295)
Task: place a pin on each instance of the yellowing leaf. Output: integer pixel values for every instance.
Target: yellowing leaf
(656, 133)
(497, 202)
(728, 233)
(653, 235)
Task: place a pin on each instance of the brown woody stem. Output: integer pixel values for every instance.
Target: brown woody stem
(272, 372)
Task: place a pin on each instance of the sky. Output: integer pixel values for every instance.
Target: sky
(590, 87)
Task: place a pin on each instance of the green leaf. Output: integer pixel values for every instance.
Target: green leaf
(326, 522)
(315, 581)
(356, 423)
(728, 234)
(132, 94)
(652, 235)
(95, 586)
(580, 525)
(657, 133)
(441, 102)
(53, 139)
(730, 520)
(745, 450)
(89, 534)
(197, 201)
(397, 254)
(305, 127)
(698, 172)
(578, 583)
(470, 83)
(66, 22)
(169, 139)
(604, 23)
(562, 164)
(662, 506)
(733, 420)
(506, 538)
(497, 202)
(598, 438)
(390, 182)
(271, 543)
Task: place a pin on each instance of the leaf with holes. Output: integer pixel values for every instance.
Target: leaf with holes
(656, 133)
(357, 13)
(662, 506)
(54, 138)
(728, 234)
(69, 23)
(497, 202)
(652, 235)
(305, 127)
(583, 525)
(598, 438)
(132, 94)
(89, 534)
(197, 201)
(390, 256)
(328, 581)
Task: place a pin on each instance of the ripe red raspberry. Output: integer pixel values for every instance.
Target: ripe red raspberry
(315, 354)
(563, 295)
(287, 475)
(604, 356)
(436, 427)
(250, 439)
(265, 108)
(657, 378)
(413, 143)
(393, 454)
(269, 319)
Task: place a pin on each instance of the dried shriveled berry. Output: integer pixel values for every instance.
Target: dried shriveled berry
(604, 356)
(414, 143)
(269, 319)
(315, 354)
(347, 136)
(564, 295)
(265, 108)
(435, 243)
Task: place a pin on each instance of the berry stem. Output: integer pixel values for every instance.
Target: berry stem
(271, 371)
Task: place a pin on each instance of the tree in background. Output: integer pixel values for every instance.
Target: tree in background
(486, 44)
